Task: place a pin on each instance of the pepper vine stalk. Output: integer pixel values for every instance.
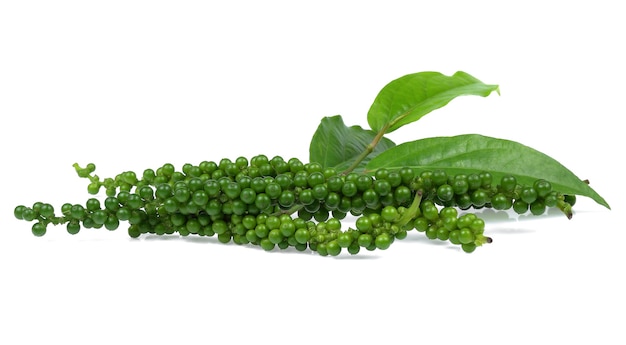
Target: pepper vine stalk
(368, 149)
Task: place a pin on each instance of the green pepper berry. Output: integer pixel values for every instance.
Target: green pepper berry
(39, 229)
(390, 214)
(508, 183)
(383, 241)
(445, 192)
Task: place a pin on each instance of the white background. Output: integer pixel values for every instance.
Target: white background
(130, 85)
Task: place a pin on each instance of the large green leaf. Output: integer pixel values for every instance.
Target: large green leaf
(336, 145)
(475, 153)
(412, 96)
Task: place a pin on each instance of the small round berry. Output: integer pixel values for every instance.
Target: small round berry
(334, 183)
(302, 235)
(474, 181)
(99, 216)
(421, 224)
(92, 204)
(333, 248)
(349, 189)
(363, 182)
(287, 198)
(439, 177)
(320, 192)
(18, 212)
(78, 212)
(520, 206)
(344, 239)
(381, 174)
(365, 240)
(477, 226)
(468, 247)
(305, 197)
(267, 245)
(463, 201)
(448, 212)
(112, 204)
(466, 236)
(382, 187)
(401, 194)
(429, 210)
(460, 185)
(394, 178)
(275, 236)
(364, 224)
(248, 195)
(445, 192)
(73, 227)
(485, 179)
(287, 229)
(570, 199)
(551, 200)
(537, 208)
(528, 195)
(370, 197)
(38, 229)
(453, 237)
(501, 202)
(93, 188)
(407, 174)
(508, 183)
(354, 248)
(46, 210)
(383, 241)
(111, 223)
(315, 179)
(542, 187)
(389, 214)
(431, 232)
(333, 224)
(479, 197)
(443, 234)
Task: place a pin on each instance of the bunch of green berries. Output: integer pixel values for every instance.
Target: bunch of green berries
(287, 203)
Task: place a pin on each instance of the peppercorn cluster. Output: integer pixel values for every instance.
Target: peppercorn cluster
(287, 203)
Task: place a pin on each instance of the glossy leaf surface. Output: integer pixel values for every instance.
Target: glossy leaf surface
(409, 98)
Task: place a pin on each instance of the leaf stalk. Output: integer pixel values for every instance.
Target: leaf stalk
(368, 149)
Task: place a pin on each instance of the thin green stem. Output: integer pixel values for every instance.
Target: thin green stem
(413, 211)
(370, 147)
(289, 211)
(565, 207)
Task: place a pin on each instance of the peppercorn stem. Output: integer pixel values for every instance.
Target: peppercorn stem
(413, 211)
(289, 211)
(566, 208)
(368, 149)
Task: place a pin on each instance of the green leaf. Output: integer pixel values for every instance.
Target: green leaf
(475, 153)
(336, 145)
(409, 98)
